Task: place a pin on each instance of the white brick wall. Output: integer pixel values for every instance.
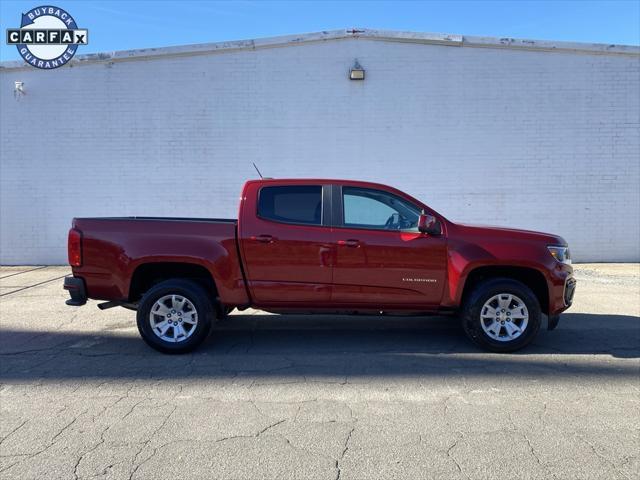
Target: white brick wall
(530, 139)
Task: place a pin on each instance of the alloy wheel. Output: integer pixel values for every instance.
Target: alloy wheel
(173, 318)
(504, 317)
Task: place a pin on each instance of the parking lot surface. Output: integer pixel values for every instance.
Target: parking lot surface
(322, 397)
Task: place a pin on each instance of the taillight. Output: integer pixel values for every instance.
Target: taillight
(75, 247)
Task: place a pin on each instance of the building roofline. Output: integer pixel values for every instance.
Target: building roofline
(367, 34)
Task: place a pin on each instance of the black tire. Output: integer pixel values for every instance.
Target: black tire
(201, 302)
(223, 312)
(474, 303)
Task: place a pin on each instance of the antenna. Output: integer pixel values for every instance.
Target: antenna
(254, 166)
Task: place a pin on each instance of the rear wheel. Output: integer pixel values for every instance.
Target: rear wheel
(501, 315)
(175, 316)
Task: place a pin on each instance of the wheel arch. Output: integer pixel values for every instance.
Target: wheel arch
(148, 274)
(531, 277)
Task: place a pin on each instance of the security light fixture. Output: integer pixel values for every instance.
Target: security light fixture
(356, 72)
(18, 90)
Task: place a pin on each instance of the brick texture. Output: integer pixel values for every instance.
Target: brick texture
(529, 139)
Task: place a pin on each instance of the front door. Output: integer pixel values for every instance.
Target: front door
(286, 245)
(382, 260)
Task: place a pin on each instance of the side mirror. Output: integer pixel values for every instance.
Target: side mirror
(429, 224)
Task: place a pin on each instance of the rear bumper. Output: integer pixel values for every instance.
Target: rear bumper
(77, 291)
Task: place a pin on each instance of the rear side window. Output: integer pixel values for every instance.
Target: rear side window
(291, 204)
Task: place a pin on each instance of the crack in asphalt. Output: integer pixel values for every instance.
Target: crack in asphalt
(146, 443)
(270, 427)
(256, 435)
(64, 429)
(13, 431)
(52, 442)
(42, 385)
(344, 452)
(455, 461)
(599, 455)
(92, 449)
(533, 452)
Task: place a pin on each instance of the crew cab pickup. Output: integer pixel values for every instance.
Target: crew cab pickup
(307, 246)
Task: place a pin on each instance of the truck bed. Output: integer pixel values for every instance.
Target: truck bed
(174, 219)
(114, 248)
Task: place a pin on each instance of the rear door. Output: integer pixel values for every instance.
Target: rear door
(382, 260)
(286, 244)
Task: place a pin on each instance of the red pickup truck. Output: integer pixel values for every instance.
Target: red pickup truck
(308, 246)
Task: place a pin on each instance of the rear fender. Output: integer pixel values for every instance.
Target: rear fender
(222, 265)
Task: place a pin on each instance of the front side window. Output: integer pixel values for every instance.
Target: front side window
(375, 209)
(291, 204)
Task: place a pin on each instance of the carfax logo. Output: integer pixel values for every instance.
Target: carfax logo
(48, 37)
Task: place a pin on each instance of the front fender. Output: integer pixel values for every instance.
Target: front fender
(465, 258)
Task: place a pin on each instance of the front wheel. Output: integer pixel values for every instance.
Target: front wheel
(175, 316)
(501, 315)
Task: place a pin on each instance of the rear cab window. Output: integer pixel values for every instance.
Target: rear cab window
(295, 204)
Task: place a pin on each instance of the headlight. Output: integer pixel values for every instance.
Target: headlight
(561, 254)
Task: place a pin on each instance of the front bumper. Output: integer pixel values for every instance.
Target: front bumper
(562, 285)
(569, 291)
(77, 291)
(567, 298)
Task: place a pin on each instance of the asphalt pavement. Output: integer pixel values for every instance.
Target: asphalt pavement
(317, 397)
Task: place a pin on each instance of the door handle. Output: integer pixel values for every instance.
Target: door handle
(352, 242)
(264, 238)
